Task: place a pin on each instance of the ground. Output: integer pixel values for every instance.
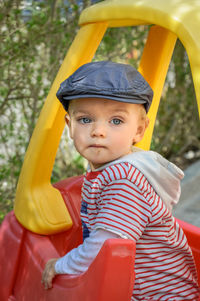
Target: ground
(188, 208)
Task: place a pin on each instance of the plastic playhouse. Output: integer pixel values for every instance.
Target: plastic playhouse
(46, 222)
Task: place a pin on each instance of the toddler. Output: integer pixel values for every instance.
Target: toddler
(127, 192)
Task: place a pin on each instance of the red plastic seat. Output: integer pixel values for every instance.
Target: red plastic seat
(193, 237)
(23, 257)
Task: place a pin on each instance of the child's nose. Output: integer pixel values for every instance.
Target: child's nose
(98, 130)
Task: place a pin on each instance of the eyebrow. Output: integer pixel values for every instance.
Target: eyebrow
(118, 111)
(80, 112)
(121, 110)
(115, 111)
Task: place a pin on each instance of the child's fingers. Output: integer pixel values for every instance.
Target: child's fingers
(48, 273)
(47, 276)
(47, 280)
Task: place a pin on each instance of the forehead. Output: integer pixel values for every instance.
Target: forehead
(87, 104)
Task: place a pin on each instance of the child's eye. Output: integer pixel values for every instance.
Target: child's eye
(84, 120)
(116, 121)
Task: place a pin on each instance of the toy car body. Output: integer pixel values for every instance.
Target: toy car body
(46, 222)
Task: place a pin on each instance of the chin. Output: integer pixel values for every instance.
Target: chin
(96, 165)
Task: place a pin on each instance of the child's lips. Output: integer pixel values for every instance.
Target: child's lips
(97, 146)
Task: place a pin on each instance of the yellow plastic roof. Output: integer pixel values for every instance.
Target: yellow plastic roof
(182, 17)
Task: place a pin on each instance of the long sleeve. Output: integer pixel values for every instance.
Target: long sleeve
(79, 259)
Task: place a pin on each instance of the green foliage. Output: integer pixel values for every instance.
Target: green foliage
(123, 44)
(32, 47)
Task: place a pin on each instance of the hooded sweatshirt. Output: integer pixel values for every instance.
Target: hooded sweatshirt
(163, 175)
(132, 198)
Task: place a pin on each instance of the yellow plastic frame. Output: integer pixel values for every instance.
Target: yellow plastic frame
(38, 206)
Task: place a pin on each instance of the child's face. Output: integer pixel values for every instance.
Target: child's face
(104, 130)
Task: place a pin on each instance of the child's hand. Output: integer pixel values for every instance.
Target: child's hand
(49, 273)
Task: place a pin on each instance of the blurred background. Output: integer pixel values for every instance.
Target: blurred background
(34, 38)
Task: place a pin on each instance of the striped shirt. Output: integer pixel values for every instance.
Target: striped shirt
(121, 200)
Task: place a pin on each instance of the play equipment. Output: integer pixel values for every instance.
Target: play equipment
(46, 220)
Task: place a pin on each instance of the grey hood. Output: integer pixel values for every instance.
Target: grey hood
(163, 175)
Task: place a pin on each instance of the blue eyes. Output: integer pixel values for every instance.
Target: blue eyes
(116, 121)
(86, 120)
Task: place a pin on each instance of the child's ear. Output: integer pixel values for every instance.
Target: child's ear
(67, 119)
(141, 130)
(68, 122)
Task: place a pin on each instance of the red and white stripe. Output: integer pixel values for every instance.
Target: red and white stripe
(120, 199)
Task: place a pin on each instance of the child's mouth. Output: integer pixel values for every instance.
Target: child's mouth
(97, 146)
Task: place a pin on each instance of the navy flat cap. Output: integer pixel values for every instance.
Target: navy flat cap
(105, 79)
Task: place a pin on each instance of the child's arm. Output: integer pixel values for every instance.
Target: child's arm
(77, 260)
(129, 220)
